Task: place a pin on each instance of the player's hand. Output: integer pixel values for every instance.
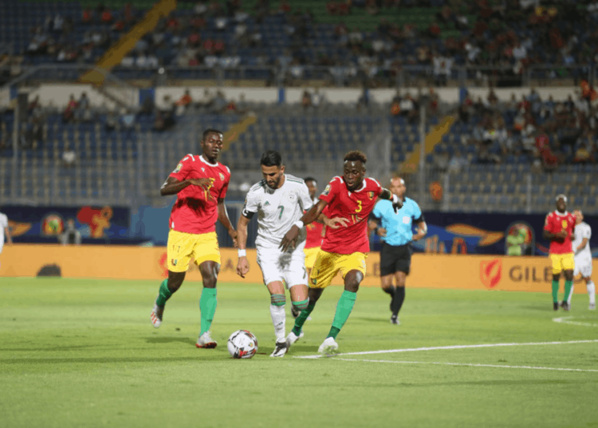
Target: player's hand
(289, 240)
(204, 183)
(242, 266)
(381, 231)
(561, 235)
(397, 203)
(233, 235)
(419, 235)
(336, 222)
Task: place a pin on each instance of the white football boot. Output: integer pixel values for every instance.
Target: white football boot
(329, 347)
(280, 349)
(156, 316)
(206, 341)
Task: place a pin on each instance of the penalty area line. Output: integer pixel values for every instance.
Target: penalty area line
(437, 348)
(497, 366)
(567, 320)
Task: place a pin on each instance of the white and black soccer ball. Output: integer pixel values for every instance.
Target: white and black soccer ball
(242, 344)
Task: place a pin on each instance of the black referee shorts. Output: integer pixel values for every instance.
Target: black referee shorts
(395, 258)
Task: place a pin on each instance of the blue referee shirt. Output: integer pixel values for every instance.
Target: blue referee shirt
(398, 225)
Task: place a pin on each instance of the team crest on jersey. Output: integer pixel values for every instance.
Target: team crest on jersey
(326, 190)
(267, 203)
(178, 168)
(221, 176)
(371, 195)
(174, 262)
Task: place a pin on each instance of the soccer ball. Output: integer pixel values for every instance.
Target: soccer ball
(242, 344)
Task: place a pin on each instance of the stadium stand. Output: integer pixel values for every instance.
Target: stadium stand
(497, 155)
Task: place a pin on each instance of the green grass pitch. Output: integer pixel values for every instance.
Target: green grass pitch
(83, 353)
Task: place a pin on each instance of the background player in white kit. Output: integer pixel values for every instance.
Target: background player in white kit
(279, 200)
(583, 256)
(5, 231)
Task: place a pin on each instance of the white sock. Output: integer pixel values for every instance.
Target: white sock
(591, 292)
(571, 295)
(279, 320)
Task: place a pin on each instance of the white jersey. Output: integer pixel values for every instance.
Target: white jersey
(582, 230)
(3, 224)
(277, 209)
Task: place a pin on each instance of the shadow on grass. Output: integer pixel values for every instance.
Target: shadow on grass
(170, 339)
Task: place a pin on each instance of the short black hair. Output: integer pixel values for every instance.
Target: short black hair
(306, 179)
(356, 155)
(208, 132)
(271, 158)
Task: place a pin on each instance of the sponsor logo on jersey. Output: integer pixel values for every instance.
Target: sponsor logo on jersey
(326, 190)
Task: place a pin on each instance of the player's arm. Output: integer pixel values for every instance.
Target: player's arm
(397, 203)
(422, 228)
(581, 246)
(7, 234)
(243, 263)
(374, 226)
(225, 221)
(172, 186)
(290, 238)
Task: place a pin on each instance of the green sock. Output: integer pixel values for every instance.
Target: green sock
(568, 287)
(343, 310)
(207, 306)
(163, 294)
(555, 291)
(302, 317)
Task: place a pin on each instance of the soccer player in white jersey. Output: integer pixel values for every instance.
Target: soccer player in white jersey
(279, 200)
(5, 231)
(583, 256)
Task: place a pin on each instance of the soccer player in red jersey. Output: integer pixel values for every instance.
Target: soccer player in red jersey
(200, 183)
(558, 229)
(349, 200)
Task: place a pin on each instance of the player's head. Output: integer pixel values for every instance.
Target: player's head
(272, 169)
(211, 144)
(578, 216)
(312, 186)
(561, 203)
(397, 186)
(354, 169)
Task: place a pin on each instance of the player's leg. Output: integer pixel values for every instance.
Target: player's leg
(295, 276)
(178, 255)
(402, 269)
(207, 257)
(591, 291)
(207, 303)
(556, 275)
(387, 270)
(399, 298)
(568, 264)
(321, 275)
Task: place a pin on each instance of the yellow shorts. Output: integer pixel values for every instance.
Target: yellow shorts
(329, 264)
(310, 256)
(182, 246)
(561, 262)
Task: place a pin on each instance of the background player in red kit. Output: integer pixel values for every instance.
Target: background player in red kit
(349, 200)
(558, 229)
(315, 231)
(200, 183)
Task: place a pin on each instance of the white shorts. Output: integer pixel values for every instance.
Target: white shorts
(583, 266)
(282, 266)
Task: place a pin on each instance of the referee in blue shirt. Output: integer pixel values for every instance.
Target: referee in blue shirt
(395, 228)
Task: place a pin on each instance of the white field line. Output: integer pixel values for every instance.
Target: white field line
(436, 348)
(567, 320)
(498, 366)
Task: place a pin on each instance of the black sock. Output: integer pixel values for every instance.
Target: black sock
(390, 290)
(397, 300)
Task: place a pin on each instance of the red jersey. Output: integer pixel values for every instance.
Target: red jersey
(196, 209)
(555, 222)
(354, 206)
(314, 235)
